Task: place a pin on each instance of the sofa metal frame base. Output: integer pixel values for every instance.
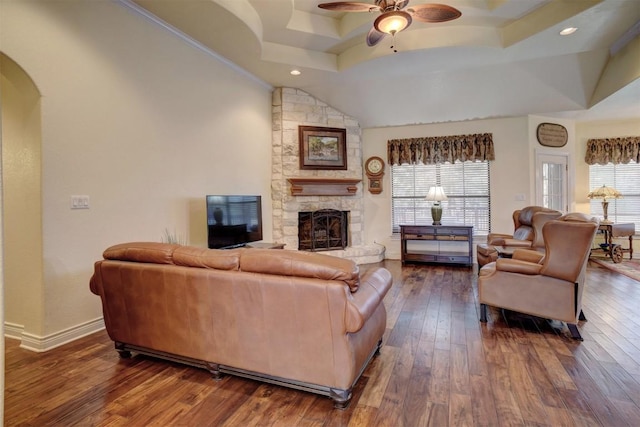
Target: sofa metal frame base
(341, 398)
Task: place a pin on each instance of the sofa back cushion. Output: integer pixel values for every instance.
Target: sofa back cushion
(267, 261)
(166, 253)
(524, 232)
(219, 259)
(301, 264)
(528, 223)
(157, 253)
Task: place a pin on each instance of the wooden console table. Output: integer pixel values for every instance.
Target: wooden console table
(444, 244)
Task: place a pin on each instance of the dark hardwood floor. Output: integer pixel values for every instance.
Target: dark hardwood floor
(439, 366)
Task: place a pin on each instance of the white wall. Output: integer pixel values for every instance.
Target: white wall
(138, 120)
(510, 172)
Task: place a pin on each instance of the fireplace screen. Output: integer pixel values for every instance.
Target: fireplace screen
(323, 230)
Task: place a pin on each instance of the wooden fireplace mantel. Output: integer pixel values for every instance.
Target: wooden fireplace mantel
(323, 186)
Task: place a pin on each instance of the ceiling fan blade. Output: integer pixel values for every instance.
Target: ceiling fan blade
(350, 6)
(434, 12)
(374, 36)
(401, 4)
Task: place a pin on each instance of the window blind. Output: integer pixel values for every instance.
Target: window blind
(626, 179)
(466, 185)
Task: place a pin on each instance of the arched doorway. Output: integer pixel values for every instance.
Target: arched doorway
(23, 286)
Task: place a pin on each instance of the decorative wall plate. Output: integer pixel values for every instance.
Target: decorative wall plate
(552, 135)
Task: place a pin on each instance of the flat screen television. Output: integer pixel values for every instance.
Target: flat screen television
(233, 220)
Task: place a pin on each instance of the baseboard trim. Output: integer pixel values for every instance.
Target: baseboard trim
(13, 330)
(41, 344)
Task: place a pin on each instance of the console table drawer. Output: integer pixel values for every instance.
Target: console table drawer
(417, 229)
(420, 237)
(449, 231)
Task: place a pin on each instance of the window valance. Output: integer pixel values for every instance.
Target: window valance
(440, 149)
(613, 150)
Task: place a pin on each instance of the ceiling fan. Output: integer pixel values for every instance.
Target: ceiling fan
(393, 18)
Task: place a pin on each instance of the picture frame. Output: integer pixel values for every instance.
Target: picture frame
(322, 148)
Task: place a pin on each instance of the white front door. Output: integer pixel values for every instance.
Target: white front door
(551, 180)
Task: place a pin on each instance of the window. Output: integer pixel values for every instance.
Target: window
(626, 179)
(466, 185)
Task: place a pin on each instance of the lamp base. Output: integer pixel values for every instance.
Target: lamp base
(605, 209)
(436, 214)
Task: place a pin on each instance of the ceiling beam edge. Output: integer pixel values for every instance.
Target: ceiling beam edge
(621, 69)
(543, 18)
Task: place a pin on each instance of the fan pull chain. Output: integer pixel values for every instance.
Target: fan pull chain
(393, 42)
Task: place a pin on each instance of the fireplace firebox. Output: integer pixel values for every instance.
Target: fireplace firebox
(323, 230)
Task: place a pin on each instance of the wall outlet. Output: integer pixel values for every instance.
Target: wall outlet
(79, 202)
(520, 197)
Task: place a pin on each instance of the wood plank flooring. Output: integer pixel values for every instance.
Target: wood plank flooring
(439, 367)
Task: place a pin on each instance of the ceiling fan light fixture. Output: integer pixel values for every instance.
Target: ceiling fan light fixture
(392, 22)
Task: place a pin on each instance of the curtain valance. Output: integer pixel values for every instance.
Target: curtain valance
(440, 149)
(613, 150)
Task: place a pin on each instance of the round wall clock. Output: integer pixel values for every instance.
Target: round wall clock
(374, 168)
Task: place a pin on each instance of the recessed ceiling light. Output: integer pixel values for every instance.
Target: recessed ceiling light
(295, 72)
(568, 30)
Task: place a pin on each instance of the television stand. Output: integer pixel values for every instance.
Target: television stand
(265, 245)
(239, 245)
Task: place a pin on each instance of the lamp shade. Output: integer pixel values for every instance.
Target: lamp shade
(436, 194)
(605, 193)
(392, 22)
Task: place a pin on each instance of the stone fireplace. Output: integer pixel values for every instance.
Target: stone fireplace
(291, 108)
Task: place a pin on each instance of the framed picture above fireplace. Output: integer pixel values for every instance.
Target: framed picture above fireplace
(322, 148)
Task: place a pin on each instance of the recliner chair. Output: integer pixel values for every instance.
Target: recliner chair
(549, 284)
(527, 226)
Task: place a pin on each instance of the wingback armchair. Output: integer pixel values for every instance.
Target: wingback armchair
(527, 226)
(549, 284)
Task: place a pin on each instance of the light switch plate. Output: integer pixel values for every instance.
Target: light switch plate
(79, 202)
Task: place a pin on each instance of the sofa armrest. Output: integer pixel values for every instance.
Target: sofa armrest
(517, 243)
(528, 255)
(517, 266)
(95, 283)
(374, 285)
(497, 239)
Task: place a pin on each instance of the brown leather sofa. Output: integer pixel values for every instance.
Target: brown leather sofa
(546, 284)
(527, 226)
(297, 319)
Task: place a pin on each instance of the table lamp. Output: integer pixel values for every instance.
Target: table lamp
(604, 193)
(436, 195)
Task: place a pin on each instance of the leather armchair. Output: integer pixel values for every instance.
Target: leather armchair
(549, 284)
(527, 226)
